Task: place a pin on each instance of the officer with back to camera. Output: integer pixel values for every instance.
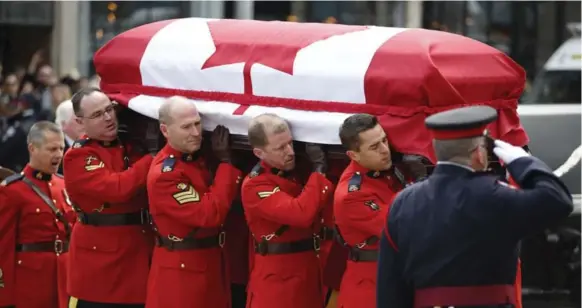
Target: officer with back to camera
(452, 240)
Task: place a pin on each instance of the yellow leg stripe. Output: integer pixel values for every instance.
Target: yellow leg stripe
(332, 302)
(73, 302)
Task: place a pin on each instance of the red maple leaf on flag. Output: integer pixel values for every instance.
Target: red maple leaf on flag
(274, 44)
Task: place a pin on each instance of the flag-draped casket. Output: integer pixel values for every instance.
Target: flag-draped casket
(314, 75)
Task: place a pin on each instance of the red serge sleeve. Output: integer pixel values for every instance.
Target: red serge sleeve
(362, 211)
(265, 199)
(173, 193)
(8, 221)
(99, 181)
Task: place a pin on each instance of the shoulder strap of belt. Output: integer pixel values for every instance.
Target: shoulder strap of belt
(400, 176)
(369, 241)
(339, 236)
(282, 229)
(126, 163)
(50, 204)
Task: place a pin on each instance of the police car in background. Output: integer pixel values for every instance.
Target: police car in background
(551, 114)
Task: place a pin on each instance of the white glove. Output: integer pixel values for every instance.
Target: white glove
(507, 152)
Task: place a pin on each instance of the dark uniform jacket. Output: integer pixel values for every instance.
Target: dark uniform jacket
(461, 228)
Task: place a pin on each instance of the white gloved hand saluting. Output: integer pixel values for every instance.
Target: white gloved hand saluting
(507, 152)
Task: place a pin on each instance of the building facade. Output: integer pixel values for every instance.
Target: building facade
(71, 31)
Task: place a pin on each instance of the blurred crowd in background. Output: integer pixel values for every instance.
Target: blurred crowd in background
(30, 94)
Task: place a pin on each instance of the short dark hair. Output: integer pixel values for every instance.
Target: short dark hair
(78, 97)
(353, 125)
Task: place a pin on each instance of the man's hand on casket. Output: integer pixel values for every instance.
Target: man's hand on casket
(221, 143)
(316, 156)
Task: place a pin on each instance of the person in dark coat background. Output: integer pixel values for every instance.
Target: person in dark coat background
(452, 240)
(20, 116)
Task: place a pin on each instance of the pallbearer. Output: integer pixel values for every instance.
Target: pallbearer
(362, 199)
(281, 212)
(35, 223)
(189, 208)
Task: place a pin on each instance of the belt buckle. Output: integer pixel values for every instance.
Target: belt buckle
(221, 239)
(262, 248)
(316, 243)
(354, 255)
(82, 218)
(59, 247)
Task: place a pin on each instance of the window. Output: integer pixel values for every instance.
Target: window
(344, 12)
(30, 13)
(108, 19)
(447, 16)
(272, 10)
(556, 87)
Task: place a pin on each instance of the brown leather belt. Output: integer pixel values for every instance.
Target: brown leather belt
(327, 234)
(270, 248)
(360, 255)
(108, 220)
(490, 295)
(191, 243)
(57, 246)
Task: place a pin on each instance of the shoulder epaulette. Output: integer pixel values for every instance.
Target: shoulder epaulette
(257, 169)
(80, 143)
(168, 163)
(355, 182)
(12, 179)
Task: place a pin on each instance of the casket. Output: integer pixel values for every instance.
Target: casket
(314, 75)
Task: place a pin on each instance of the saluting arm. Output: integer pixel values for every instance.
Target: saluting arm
(8, 221)
(265, 199)
(87, 175)
(364, 211)
(174, 193)
(543, 199)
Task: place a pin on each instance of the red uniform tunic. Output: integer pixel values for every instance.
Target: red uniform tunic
(187, 210)
(108, 264)
(332, 255)
(518, 272)
(30, 279)
(286, 271)
(361, 203)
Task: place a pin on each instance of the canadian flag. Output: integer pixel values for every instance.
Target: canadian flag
(314, 75)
